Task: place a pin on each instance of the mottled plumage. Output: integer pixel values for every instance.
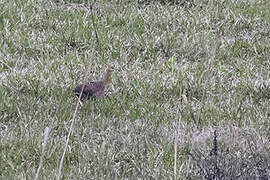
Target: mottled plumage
(93, 89)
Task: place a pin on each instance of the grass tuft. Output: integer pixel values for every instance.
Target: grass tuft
(191, 79)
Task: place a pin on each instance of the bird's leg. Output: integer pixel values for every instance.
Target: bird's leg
(91, 107)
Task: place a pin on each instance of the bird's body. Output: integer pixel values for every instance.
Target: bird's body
(93, 89)
(90, 90)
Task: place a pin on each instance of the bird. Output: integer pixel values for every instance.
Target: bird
(93, 90)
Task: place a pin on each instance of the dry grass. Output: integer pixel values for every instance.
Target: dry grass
(184, 70)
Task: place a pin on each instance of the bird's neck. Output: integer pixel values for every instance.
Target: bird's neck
(107, 78)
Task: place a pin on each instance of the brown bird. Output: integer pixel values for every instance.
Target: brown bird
(93, 89)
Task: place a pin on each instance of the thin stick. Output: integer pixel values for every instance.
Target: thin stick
(68, 137)
(207, 76)
(176, 136)
(175, 152)
(90, 11)
(46, 135)
(189, 107)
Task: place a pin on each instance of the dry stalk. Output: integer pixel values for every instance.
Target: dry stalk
(175, 153)
(68, 137)
(46, 135)
(189, 107)
(208, 73)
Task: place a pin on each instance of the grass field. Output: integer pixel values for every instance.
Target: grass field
(189, 98)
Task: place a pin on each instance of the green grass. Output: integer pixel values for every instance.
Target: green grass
(167, 80)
